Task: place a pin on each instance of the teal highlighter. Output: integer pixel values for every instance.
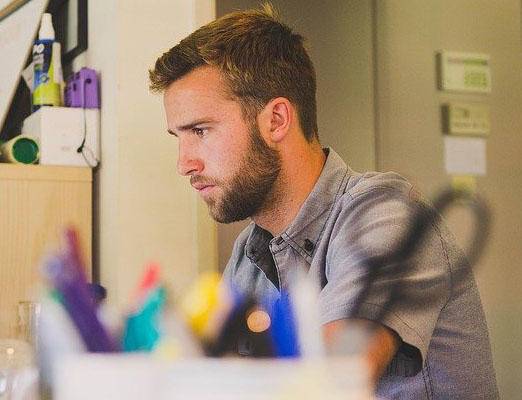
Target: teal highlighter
(142, 328)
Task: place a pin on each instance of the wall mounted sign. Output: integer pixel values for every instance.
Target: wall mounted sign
(464, 72)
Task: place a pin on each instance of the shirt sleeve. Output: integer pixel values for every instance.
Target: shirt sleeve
(372, 224)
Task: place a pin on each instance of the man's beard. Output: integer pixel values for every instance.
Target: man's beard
(247, 192)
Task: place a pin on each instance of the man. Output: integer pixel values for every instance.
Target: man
(239, 95)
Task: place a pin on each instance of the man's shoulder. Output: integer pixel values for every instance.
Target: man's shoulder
(373, 211)
(370, 182)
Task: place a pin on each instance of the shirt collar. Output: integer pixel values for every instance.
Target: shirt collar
(305, 229)
(257, 243)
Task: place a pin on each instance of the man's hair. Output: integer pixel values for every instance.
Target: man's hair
(259, 57)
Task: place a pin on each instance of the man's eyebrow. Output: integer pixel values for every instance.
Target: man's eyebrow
(190, 125)
(193, 124)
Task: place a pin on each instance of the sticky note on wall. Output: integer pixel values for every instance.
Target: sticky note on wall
(465, 155)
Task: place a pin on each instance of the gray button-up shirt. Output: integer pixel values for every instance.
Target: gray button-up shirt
(445, 351)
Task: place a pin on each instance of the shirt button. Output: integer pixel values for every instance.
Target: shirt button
(308, 245)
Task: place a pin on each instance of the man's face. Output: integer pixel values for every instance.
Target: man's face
(228, 161)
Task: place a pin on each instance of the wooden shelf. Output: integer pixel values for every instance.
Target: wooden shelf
(45, 173)
(36, 203)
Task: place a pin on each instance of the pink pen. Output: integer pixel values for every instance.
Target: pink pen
(149, 281)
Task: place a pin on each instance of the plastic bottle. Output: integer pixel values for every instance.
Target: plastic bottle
(48, 76)
(21, 149)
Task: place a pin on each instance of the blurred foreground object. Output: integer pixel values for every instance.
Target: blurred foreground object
(135, 377)
(69, 321)
(18, 376)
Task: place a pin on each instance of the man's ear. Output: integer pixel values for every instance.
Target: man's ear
(276, 118)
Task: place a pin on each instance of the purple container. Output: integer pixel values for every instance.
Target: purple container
(82, 89)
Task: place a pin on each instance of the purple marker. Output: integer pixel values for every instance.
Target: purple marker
(78, 302)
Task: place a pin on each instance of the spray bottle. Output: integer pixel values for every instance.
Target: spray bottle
(48, 76)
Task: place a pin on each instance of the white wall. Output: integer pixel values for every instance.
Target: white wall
(144, 211)
(410, 141)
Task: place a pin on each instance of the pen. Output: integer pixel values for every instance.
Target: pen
(78, 302)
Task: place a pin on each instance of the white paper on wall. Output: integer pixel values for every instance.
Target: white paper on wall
(465, 155)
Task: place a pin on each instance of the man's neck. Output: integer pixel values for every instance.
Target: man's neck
(299, 173)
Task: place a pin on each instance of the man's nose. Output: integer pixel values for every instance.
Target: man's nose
(188, 162)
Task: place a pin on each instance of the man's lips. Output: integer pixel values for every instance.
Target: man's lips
(202, 187)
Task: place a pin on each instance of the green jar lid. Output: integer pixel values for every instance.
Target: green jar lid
(25, 150)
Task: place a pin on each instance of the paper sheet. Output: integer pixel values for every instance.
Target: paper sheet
(465, 155)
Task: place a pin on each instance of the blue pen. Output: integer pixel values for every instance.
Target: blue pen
(283, 328)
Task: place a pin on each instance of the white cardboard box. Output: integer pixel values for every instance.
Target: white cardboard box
(60, 131)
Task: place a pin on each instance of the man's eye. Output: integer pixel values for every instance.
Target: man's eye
(199, 131)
